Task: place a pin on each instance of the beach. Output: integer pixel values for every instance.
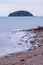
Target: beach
(28, 57)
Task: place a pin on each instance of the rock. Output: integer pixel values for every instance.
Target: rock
(19, 43)
(32, 42)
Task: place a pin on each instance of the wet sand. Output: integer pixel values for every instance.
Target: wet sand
(29, 57)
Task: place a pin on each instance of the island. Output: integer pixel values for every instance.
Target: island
(20, 13)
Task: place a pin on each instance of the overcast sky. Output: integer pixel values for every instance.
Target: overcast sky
(33, 6)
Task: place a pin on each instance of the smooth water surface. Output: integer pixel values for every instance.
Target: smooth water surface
(9, 23)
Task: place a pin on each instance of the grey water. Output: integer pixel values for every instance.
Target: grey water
(9, 23)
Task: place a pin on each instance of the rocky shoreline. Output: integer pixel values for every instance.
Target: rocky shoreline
(30, 56)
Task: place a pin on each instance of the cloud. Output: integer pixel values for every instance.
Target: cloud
(21, 2)
(4, 10)
(33, 6)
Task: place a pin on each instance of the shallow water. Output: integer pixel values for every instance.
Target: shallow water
(9, 23)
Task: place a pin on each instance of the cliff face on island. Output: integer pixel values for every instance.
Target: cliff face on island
(20, 13)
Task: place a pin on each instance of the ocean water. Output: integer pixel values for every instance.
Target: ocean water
(9, 23)
(9, 39)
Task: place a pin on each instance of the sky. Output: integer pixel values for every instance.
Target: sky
(33, 6)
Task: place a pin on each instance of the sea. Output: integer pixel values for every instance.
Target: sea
(8, 40)
(9, 23)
